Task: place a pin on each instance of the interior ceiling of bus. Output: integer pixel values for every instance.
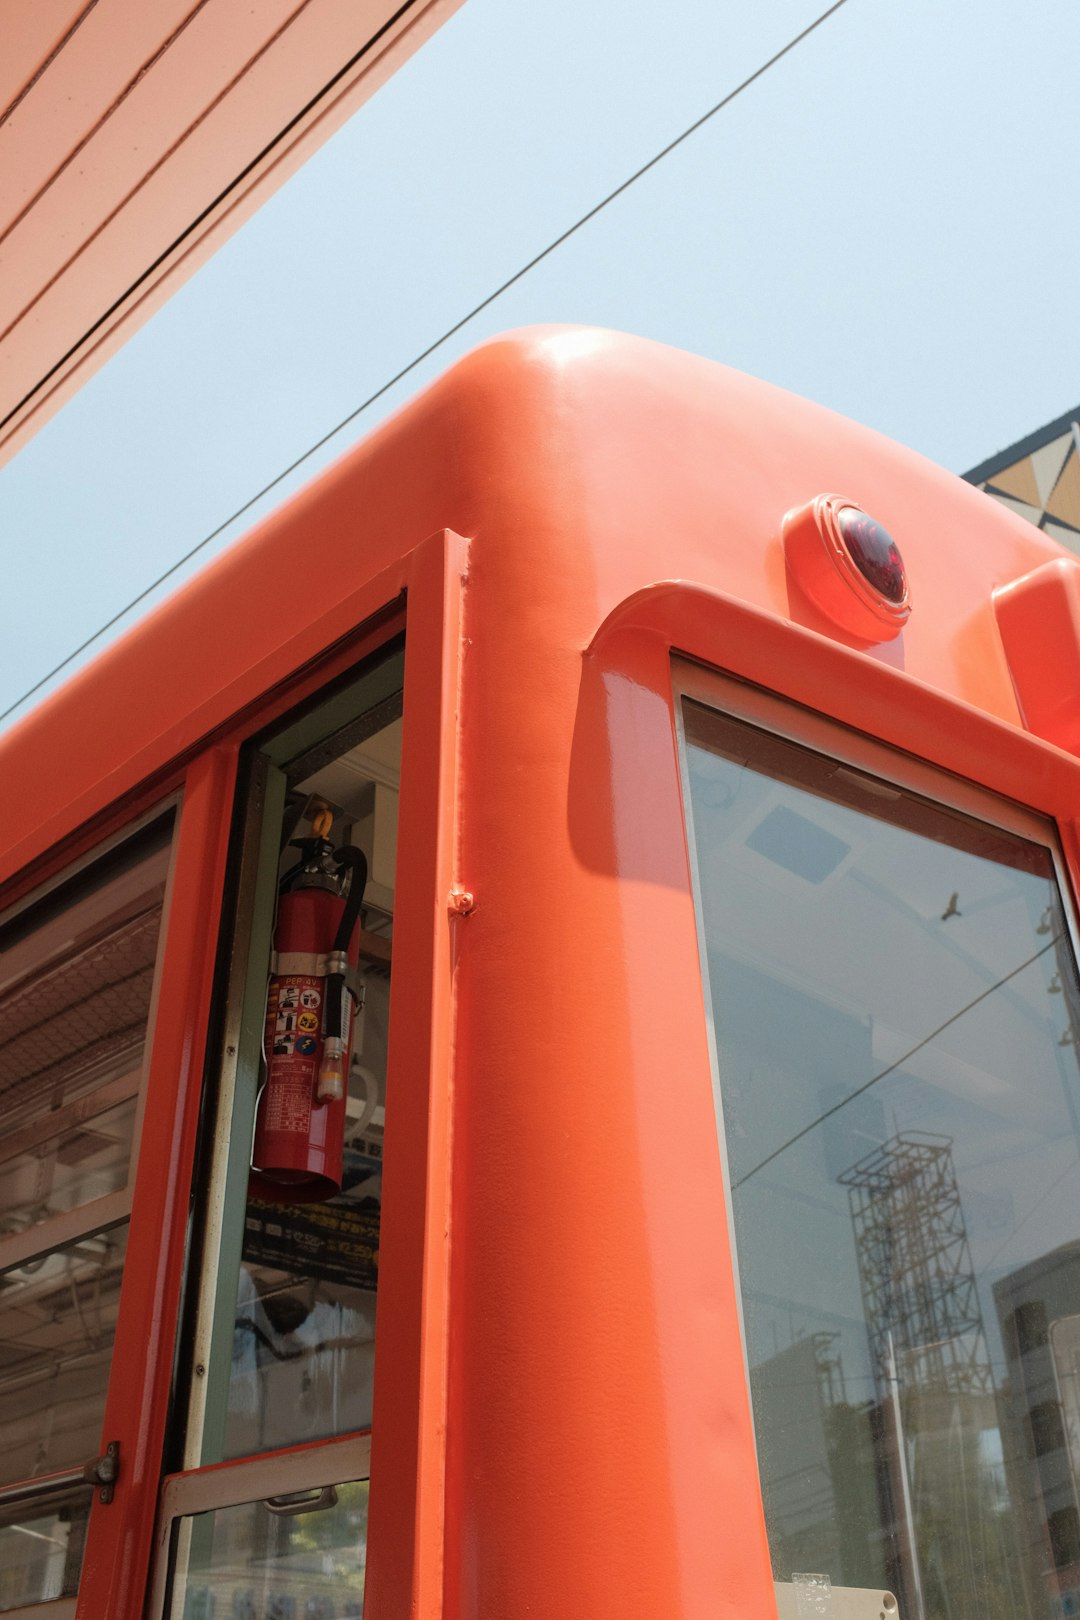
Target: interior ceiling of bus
(134, 138)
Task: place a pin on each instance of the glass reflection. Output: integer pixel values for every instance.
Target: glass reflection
(267, 1561)
(57, 1320)
(303, 1353)
(76, 979)
(41, 1551)
(895, 1011)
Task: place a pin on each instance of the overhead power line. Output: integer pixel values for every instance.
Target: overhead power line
(426, 354)
(892, 1067)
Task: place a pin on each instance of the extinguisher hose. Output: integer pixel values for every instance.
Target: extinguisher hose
(351, 857)
(355, 862)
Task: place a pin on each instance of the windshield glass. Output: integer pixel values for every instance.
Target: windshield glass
(895, 1011)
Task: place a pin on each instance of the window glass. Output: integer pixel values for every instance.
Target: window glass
(41, 1551)
(283, 1303)
(76, 977)
(57, 1317)
(291, 1558)
(895, 1010)
(76, 987)
(304, 1332)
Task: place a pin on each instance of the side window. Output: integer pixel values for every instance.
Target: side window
(77, 974)
(896, 1014)
(282, 1309)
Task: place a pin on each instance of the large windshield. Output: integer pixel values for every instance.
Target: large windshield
(896, 1014)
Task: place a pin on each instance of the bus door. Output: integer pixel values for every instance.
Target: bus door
(264, 1513)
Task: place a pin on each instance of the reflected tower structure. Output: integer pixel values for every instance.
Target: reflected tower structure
(915, 1269)
(940, 1467)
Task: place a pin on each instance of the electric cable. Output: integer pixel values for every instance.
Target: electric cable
(426, 354)
(892, 1067)
(1034, 1210)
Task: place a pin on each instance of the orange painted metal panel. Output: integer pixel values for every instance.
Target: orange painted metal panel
(405, 1565)
(414, 1263)
(562, 1417)
(1039, 619)
(118, 1539)
(515, 437)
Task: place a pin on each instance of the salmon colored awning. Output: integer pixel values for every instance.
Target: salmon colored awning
(135, 135)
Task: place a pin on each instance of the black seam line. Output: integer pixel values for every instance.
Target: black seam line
(874, 1078)
(80, 146)
(47, 64)
(160, 165)
(420, 358)
(222, 196)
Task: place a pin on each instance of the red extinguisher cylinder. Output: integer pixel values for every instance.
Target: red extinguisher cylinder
(299, 1133)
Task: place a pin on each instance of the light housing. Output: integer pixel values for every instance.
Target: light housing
(849, 566)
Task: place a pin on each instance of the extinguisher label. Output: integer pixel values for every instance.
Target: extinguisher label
(292, 1050)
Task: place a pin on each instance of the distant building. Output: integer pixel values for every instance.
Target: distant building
(1040, 1417)
(1039, 477)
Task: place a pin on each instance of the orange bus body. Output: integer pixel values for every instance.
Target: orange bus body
(562, 1423)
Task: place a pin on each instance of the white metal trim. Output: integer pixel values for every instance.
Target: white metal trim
(130, 829)
(61, 1231)
(335, 1462)
(57, 1609)
(824, 735)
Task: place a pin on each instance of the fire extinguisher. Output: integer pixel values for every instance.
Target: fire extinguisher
(300, 1118)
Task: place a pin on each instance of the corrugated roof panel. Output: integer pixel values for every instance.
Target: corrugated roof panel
(137, 137)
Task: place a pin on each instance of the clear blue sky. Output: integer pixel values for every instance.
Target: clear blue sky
(887, 222)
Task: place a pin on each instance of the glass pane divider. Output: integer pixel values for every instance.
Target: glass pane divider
(57, 1609)
(250, 1479)
(79, 1112)
(235, 1105)
(271, 1474)
(44, 1486)
(822, 734)
(63, 1231)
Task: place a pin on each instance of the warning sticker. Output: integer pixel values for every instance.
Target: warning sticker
(288, 1101)
(292, 1042)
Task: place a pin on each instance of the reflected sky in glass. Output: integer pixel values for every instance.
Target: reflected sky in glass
(894, 1004)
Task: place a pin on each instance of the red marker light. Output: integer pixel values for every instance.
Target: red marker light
(874, 552)
(849, 566)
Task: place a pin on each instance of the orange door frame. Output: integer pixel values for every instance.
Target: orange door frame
(405, 1568)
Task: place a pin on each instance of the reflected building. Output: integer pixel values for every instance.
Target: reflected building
(1036, 1306)
(818, 1456)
